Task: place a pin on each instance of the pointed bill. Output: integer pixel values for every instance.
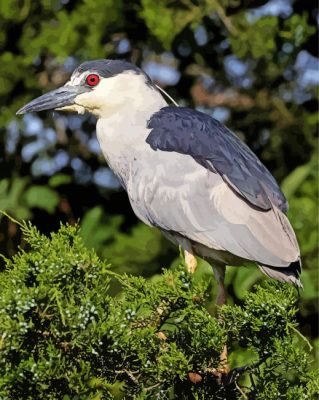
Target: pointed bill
(62, 97)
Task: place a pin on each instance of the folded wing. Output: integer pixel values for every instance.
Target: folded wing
(216, 148)
(225, 198)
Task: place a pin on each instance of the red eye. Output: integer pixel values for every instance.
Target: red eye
(92, 79)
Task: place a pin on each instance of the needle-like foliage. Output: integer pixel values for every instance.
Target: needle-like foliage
(64, 336)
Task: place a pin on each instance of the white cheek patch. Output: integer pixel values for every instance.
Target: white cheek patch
(97, 98)
(87, 101)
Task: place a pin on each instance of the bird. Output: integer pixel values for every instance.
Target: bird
(185, 173)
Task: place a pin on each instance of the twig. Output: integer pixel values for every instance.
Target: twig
(234, 373)
(118, 277)
(248, 367)
(130, 374)
(241, 391)
(300, 335)
(222, 15)
(153, 386)
(56, 297)
(11, 218)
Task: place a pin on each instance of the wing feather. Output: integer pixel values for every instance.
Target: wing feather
(177, 195)
(215, 147)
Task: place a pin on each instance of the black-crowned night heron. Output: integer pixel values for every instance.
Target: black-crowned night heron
(185, 173)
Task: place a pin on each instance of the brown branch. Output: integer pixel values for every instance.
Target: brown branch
(231, 99)
(223, 17)
(130, 374)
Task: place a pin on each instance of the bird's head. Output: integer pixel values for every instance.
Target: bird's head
(100, 87)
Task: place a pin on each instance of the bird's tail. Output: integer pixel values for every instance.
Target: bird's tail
(288, 274)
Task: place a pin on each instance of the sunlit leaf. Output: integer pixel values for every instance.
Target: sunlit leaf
(59, 179)
(42, 197)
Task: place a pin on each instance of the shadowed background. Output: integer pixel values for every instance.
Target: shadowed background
(250, 64)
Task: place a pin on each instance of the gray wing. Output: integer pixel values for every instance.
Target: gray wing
(174, 193)
(196, 186)
(216, 148)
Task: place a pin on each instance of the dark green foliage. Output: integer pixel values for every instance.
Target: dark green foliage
(63, 337)
(267, 103)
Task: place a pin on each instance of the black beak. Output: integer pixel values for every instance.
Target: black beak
(64, 96)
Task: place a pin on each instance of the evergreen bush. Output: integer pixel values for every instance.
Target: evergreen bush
(64, 336)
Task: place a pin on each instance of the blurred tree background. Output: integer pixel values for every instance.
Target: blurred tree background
(251, 64)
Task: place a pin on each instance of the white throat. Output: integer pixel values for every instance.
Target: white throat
(122, 129)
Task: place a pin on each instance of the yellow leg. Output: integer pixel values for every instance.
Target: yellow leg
(190, 261)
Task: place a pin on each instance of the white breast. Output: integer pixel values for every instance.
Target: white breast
(122, 132)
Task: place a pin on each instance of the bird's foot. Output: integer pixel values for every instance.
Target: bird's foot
(221, 373)
(222, 370)
(223, 367)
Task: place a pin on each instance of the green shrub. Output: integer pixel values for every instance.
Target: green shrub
(63, 336)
